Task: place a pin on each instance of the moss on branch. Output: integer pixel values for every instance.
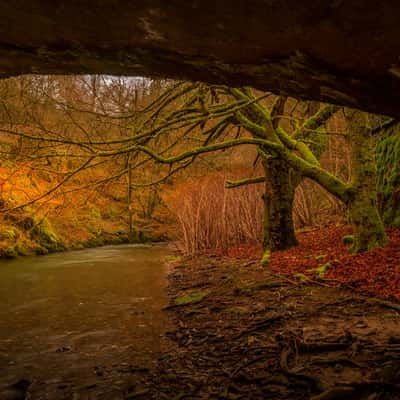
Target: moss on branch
(247, 181)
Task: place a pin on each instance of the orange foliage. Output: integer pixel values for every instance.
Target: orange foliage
(211, 217)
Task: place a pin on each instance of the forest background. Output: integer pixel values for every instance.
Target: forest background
(69, 177)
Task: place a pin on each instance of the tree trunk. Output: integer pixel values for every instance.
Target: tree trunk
(132, 233)
(278, 227)
(369, 232)
(388, 183)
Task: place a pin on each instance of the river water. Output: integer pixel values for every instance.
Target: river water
(82, 319)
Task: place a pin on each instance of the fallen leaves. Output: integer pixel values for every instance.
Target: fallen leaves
(373, 273)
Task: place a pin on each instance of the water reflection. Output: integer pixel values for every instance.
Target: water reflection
(64, 315)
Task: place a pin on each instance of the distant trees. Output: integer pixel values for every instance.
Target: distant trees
(71, 126)
(56, 126)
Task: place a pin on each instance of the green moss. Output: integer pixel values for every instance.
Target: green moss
(266, 258)
(173, 259)
(9, 234)
(396, 222)
(322, 270)
(190, 298)
(320, 257)
(388, 177)
(44, 234)
(21, 250)
(348, 239)
(301, 277)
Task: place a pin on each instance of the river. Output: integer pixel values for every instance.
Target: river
(82, 321)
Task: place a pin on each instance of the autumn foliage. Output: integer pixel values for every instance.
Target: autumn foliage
(376, 273)
(213, 218)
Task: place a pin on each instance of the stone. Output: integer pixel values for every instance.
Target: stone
(344, 52)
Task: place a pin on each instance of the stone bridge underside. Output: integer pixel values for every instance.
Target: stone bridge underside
(342, 51)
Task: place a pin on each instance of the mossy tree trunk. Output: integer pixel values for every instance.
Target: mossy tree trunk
(388, 183)
(278, 228)
(369, 232)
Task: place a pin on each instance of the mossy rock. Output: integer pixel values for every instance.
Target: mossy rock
(78, 246)
(190, 298)
(9, 252)
(14, 251)
(22, 251)
(40, 250)
(94, 242)
(44, 234)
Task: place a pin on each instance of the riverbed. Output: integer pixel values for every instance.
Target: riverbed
(82, 321)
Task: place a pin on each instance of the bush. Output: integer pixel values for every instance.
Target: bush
(43, 233)
(211, 217)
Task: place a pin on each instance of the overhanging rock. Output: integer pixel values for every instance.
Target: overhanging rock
(346, 52)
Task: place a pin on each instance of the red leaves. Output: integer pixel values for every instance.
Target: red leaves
(374, 273)
(244, 251)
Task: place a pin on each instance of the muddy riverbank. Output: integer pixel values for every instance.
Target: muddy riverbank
(241, 332)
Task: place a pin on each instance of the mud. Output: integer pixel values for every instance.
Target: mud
(257, 335)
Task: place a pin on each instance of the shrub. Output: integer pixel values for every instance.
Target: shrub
(211, 217)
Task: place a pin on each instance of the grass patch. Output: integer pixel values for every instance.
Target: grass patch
(190, 298)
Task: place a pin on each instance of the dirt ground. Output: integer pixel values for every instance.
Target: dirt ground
(242, 332)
